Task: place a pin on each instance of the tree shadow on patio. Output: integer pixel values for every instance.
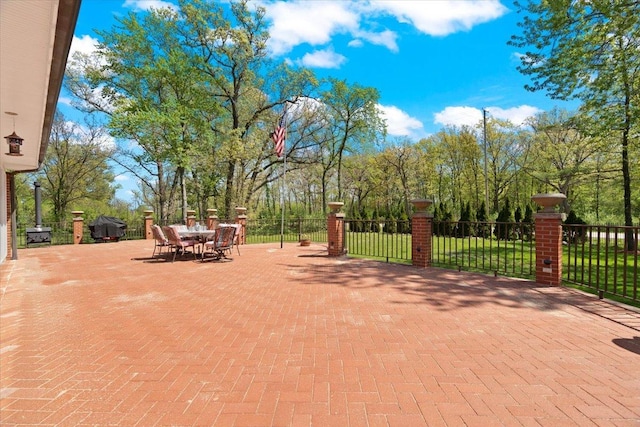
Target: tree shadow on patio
(630, 344)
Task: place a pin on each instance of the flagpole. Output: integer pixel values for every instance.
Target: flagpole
(283, 191)
(279, 138)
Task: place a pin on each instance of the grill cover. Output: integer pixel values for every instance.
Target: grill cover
(107, 228)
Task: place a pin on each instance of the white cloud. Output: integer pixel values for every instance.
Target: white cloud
(322, 59)
(471, 116)
(385, 38)
(121, 177)
(85, 45)
(314, 22)
(65, 100)
(458, 116)
(441, 17)
(148, 4)
(399, 123)
(516, 115)
(317, 22)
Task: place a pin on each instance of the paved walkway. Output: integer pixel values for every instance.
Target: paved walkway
(102, 335)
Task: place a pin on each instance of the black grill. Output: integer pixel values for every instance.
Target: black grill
(38, 235)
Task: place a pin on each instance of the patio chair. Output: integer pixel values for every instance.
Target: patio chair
(222, 243)
(236, 237)
(177, 243)
(160, 239)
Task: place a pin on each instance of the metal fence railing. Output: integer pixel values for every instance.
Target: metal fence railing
(505, 248)
(293, 230)
(386, 240)
(62, 233)
(602, 258)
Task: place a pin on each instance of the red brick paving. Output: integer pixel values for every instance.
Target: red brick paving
(101, 335)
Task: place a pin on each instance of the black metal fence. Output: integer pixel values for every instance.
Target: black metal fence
(62, 233)
(292, 230)
(386, 240)
(602, 258)
(505, 248)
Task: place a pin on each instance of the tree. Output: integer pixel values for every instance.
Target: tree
(142, 72)
(355, 119)
(561, 153)
(589, 50)
(75, 166)
(503, 152)
(504, 222)
(195, 91)
(230, 55)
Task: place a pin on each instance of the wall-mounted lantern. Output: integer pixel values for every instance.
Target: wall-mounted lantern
(14, 141)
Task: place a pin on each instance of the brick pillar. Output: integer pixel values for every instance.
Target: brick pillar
(335, 230)
(548, 232)
(148, 222)
(241, 218)
(421, 233)
(78, 226)
(212, 219)
(191, 218)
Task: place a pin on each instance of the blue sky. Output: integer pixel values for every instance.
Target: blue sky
(434, 62)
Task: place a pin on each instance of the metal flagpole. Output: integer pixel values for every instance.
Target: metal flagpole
(282, 138)
(283, 191)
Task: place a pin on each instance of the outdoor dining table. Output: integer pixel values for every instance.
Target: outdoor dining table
(201, 235)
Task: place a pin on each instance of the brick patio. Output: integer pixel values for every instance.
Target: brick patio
(101, 335)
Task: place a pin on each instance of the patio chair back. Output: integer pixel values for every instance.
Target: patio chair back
(222, 242)
(160, 239)
(178, 243)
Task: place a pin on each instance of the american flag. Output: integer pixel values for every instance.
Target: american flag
(280, 134)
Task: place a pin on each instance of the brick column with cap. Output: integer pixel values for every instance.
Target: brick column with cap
(191, 218)
(212, 219)
(148, 222)
(548, 232)
(78, 226)
(241, 218)
(421, 233)
(335, 230)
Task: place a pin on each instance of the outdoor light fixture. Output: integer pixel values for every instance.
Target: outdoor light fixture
(13, 140)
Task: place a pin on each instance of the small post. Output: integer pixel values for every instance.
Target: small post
(548, 232)
(212, 219)
(335, 230)
(191, 218)
(421, 232)
(78, 226)
(241, 218)
(148, 222)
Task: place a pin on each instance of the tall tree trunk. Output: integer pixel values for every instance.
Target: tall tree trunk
(626, 175)
(228, 194)
(183, 194)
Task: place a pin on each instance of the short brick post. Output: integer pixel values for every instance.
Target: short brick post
(191, 218)
(548, 232)
(421, 233)
(148, 222)
(78, 226)
(335, 230)
(212, 219)
(241, 218)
